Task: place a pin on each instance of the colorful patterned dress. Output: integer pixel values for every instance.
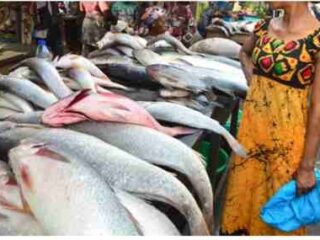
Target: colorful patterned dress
(272, 130)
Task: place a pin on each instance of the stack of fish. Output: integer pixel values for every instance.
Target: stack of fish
(183, 76)
(89, 162)
(232, 28)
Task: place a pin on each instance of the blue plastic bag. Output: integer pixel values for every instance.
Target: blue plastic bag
(287, 212)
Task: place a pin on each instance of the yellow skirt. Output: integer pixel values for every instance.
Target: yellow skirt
(273, 132)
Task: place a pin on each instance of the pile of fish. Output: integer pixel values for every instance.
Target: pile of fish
(232, 28)
(80, 159)
(179, 75)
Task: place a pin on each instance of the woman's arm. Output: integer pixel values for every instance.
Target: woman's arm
(245, 57)
(305, 174)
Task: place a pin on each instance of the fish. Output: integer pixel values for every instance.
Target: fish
(131, 74)
(18, 223)
(83, 78)
(24, 72)
(217, 46)
(29, 117)
(165, 93)
(19, 103)
(226, 60)
(172, 76)
(173, 42)
(111, 39)
(104, 52)
(197, 79)
(70, 60)
(187, 102)
(49, 75)
(152, 222)
(10, 196)
(15, 219)
(111, 60)
(127, 51)
(110, 107)
(66, 196)
(159, 149)
(159, 45)
(126, 172)
(212, 64)
(6, 112)
(27, 90)
(5, 104)
(175, 113)
(12, 133)
(147, 57)
(102, 82)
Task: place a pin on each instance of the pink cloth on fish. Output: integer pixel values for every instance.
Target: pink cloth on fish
(103, 107)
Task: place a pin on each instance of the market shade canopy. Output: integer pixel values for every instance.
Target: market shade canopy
(287, 212)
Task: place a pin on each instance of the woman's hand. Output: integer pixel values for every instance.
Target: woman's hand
(305, 174)
(306, 180)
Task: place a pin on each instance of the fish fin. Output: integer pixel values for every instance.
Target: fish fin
(236, 147)
(178, 131)
(55, 60)
(30, 125)
(200, 158)
(43, 149)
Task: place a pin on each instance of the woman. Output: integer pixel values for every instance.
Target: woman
(181, 21)
(281, 123)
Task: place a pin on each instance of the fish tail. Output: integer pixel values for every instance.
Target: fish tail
(200, 157)
(236, 147)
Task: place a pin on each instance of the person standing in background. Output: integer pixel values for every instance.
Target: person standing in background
(93, 25)
(127, 12)
(181, 21)
(47, 25)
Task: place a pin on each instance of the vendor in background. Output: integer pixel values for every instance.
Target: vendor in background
(220, 9)
(181, 21)
(48, 20)
(128, 12)
(94, 24)
(152, 20)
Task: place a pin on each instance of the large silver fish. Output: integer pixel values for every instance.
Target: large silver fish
(110, 39)
(18, 223)
(102, 60)
(125, 50)
(71, 60)
(83, 78)
(19, 103)
(12, 133)
(124, 171)
(29, 117)
(159, 149)
(217, 46)
(151, 221)
(66, 196)
(147, 57)
(175, 113)
(49, 75)
(27, 90)
(173, 42)
(197, 79)
(104, 52)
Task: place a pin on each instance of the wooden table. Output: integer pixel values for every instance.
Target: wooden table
(12, 54)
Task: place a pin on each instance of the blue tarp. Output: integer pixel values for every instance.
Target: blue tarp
(288, 212)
